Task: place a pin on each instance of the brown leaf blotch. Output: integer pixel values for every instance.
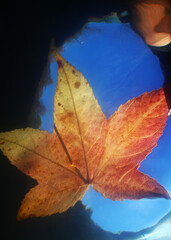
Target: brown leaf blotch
(70, 114)
(65, 117)
(77, 84)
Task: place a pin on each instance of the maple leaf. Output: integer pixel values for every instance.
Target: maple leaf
(85, 148)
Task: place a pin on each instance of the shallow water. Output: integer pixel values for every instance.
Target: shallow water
(118, 66)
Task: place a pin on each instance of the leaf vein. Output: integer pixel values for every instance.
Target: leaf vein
(36, 153)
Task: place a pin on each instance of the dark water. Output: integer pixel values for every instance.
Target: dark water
(26, 34)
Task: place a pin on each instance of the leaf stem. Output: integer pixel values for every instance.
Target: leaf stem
(69, 158)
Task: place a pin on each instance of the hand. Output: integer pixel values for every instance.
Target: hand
(152, 20)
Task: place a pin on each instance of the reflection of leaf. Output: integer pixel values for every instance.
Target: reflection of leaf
(86, 148)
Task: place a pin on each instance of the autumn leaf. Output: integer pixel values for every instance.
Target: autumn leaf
(85, 148)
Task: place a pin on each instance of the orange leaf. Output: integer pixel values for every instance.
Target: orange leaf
(86, 148)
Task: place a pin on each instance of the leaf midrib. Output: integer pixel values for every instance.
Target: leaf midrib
(87, 180)
(36, 153)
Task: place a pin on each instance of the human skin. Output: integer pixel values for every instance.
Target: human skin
(152, 20)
